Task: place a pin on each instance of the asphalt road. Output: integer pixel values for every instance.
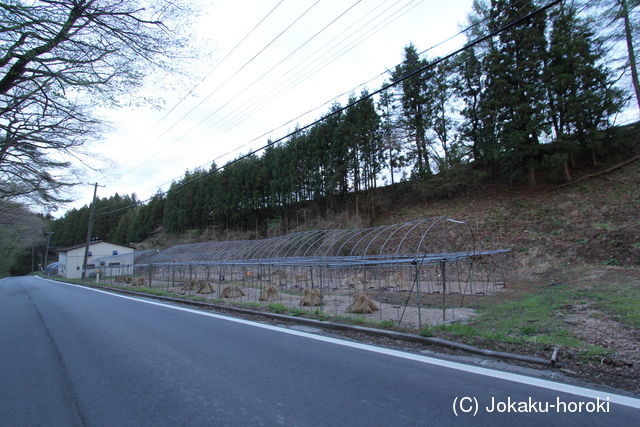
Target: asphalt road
(75, 356)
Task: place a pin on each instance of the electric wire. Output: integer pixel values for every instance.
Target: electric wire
(380, 90)
(231, 77)
(275, 66)
(300, 117)
(289, 85)
(174, 158)
(279, 91)
(331, 100)
(199, 83)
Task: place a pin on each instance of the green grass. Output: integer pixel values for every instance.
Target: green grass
(426, 331)
(384, 324)
(151, 291)
(247, 304)
(296, 311)
(539, 318)
(459, 329)
(277, 307)
(196, 298)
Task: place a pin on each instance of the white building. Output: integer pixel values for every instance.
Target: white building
(72, 258)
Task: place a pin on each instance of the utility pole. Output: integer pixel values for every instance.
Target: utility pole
(46, 254)
(89, 228)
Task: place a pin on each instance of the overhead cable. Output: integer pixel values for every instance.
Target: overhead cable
(372, 94)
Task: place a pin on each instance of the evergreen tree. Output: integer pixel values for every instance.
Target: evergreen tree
(139, 223)
(479, 129)
(515, 89)
(581, 92)
(391, 149)
(444, 126)
(337, 155)
(369, 141)
(352, 141)
(414, 98)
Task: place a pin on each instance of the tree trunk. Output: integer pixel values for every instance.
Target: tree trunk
(632, 56)
(532, 177)
(567, 174)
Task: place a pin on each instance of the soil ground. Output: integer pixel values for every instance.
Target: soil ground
(576, 273)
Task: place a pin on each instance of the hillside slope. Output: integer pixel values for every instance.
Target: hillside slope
(577, 263)
(576, 252)
(595, 221)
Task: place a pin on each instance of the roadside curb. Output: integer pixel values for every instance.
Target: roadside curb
(344, 327)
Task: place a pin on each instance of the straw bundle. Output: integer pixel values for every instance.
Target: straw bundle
(311, 298)
(362, 304)
(138, 281)
(232, 291)
(190, 285)
(205, 287)
(270, 293)
(356, 281)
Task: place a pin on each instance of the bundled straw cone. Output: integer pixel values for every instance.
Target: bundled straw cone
(138, 281)
(311, 298)
(232, 291)
(356, 281)
(205, 287)
(270, 293)
(190, 285)
(362, 304)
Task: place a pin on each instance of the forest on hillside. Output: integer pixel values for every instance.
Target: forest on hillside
(534, 98)
(538, 99)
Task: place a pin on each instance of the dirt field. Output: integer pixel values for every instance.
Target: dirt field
(337, 305)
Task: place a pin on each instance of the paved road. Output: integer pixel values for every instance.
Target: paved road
(75, 356)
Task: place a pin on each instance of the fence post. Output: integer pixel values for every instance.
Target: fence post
(444, 291)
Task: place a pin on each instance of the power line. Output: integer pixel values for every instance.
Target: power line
(204, 78)
(289, 86)
(372, 94)
(159, 166)
(226, 81)
(293, 85)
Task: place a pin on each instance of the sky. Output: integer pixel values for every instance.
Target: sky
(272, 64)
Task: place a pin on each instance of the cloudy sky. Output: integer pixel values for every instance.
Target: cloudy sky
(274, 64)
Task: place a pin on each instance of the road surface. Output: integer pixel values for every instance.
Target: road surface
(71, 356)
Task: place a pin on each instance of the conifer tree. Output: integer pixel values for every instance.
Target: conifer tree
(370, 142)
(414, 98)
(580, 87)
(479, 128)
(515, 89)
(391, 149)
(444, 127)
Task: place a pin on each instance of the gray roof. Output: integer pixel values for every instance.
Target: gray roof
(82, 245)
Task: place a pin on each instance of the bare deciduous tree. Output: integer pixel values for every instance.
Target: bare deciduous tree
(59, 59)
(19, 229)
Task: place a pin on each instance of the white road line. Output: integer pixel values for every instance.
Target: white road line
(516, 378)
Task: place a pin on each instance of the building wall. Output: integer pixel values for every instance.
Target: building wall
(62, 267)
(71, 260)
